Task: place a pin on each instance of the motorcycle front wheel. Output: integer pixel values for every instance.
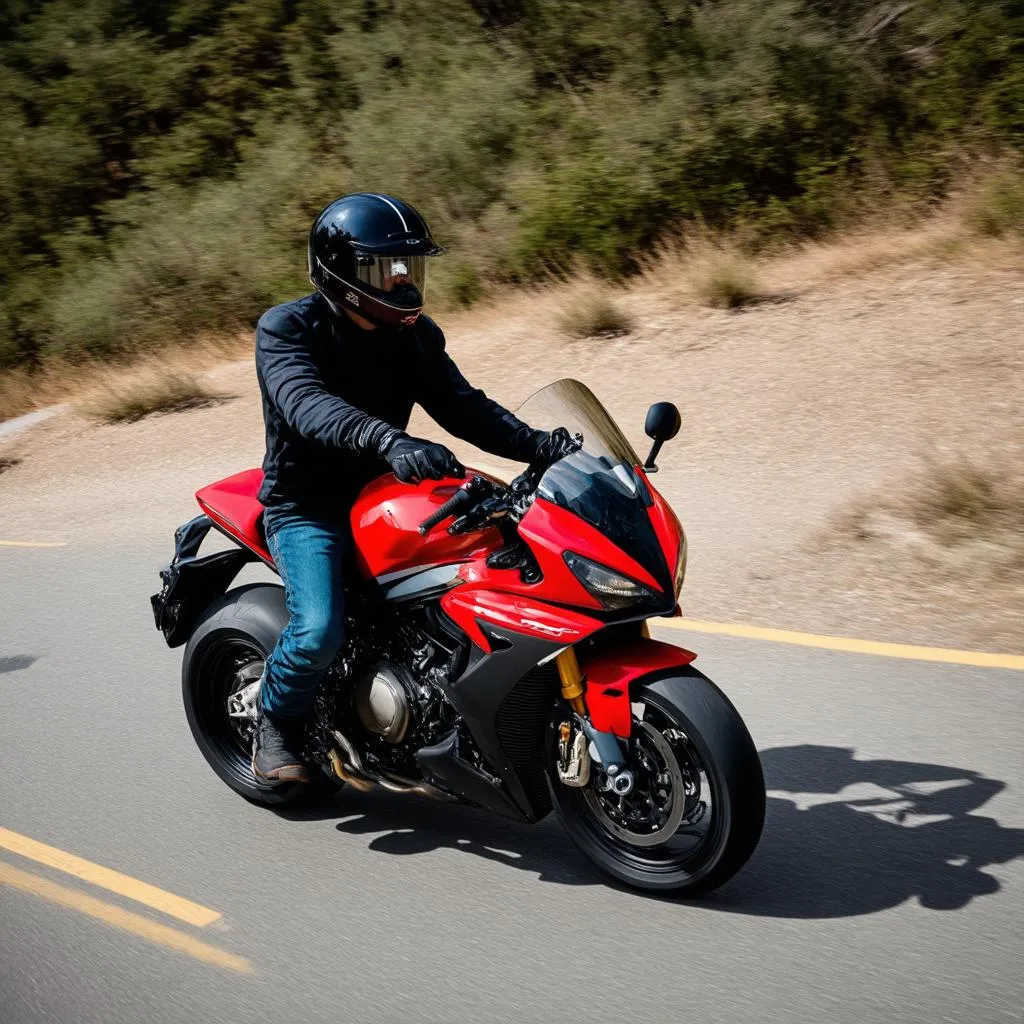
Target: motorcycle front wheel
(695, 812)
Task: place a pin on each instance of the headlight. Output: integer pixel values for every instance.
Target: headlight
(677, 576)
(611, 588)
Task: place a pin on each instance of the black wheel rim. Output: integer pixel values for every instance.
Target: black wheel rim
(225, 668)
(695, 844)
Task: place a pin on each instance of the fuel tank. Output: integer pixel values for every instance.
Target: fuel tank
(385, 523)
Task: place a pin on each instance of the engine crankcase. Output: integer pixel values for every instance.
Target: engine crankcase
(383, 704)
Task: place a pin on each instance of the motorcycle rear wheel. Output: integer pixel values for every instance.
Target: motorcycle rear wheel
(234, 635)
(697, 809)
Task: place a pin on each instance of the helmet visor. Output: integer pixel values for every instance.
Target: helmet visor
(396, 280)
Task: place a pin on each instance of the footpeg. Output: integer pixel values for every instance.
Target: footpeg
(573, 756)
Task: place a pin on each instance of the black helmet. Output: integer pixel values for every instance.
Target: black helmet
(368, 252)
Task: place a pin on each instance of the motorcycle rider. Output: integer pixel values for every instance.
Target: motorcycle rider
(339, 372)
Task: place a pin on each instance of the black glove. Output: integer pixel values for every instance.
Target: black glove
(412, 459)
(549, 448)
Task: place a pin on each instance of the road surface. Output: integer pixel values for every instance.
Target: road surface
(888, 884)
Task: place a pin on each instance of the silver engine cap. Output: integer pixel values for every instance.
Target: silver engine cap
(382, 705)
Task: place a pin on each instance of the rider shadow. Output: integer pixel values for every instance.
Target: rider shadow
(845, 837)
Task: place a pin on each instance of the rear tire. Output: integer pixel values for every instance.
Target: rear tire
(234, 635)
(685, 717)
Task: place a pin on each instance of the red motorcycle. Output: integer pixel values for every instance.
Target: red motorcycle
(503, 660)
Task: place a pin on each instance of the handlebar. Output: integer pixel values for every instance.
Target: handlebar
(467, 495)
(480, 495)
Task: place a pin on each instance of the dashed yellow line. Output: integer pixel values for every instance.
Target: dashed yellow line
(124, 885)
(117, 917)
(851, 645)
(33, 543)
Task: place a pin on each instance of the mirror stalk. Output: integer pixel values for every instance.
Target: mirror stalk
(649, 466)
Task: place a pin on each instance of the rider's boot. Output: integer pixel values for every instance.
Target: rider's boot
(277, 750)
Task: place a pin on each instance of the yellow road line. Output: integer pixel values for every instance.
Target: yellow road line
(123, 885)
(117, 917)
(980, 659)
(33, 543)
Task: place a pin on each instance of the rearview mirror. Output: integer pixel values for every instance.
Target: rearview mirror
(662, 424)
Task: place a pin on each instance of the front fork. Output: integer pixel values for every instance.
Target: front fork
(598, 691)
(578, 747)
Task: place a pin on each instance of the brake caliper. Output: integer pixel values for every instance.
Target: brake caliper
(573, 755)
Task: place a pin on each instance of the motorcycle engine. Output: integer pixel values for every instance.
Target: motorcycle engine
(393, 688)
(383, 702)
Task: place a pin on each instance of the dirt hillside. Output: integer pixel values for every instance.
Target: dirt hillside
(860, 361)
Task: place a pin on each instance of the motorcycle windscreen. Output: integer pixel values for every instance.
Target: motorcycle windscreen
(599, 483)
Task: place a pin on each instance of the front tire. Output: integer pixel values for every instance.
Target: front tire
(226, 651)
(697, 809)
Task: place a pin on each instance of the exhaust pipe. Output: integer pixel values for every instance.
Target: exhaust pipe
(357, 775)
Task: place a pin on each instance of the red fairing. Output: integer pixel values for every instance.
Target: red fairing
(385, 523)
(467, 605)
(609, 673)
(667, 527)
(551, 530)
(232, 504)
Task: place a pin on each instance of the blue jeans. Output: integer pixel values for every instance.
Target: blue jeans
(310, 555)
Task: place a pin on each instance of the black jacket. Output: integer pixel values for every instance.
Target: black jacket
(332, 392)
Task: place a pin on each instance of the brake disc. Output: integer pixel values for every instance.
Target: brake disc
(665, 817)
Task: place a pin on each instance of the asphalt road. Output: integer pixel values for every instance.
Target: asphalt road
(887, 887)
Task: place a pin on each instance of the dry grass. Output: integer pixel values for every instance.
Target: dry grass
(21, 391)
(951, 508)
(722, 277)
(959, 499)
(58, 381)
(590, 313)
(983, 223)
(127, 396)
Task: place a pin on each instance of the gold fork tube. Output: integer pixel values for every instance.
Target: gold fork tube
(572, 681)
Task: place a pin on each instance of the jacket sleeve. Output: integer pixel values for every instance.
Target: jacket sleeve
(466, 411)
(295, 388)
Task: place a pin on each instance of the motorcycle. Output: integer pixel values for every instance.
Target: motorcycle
(503, 660)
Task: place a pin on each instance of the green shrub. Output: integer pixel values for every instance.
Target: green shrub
(998, 207)
(194, 262)
(162, 160)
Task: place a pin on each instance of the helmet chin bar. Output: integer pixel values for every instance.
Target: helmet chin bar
(378, 313)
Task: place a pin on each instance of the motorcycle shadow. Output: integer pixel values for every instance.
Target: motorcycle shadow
(16, 663)
(846, 837)
(843, 837)
(408, 825)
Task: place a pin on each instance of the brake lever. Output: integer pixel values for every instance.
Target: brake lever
(489, 510)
